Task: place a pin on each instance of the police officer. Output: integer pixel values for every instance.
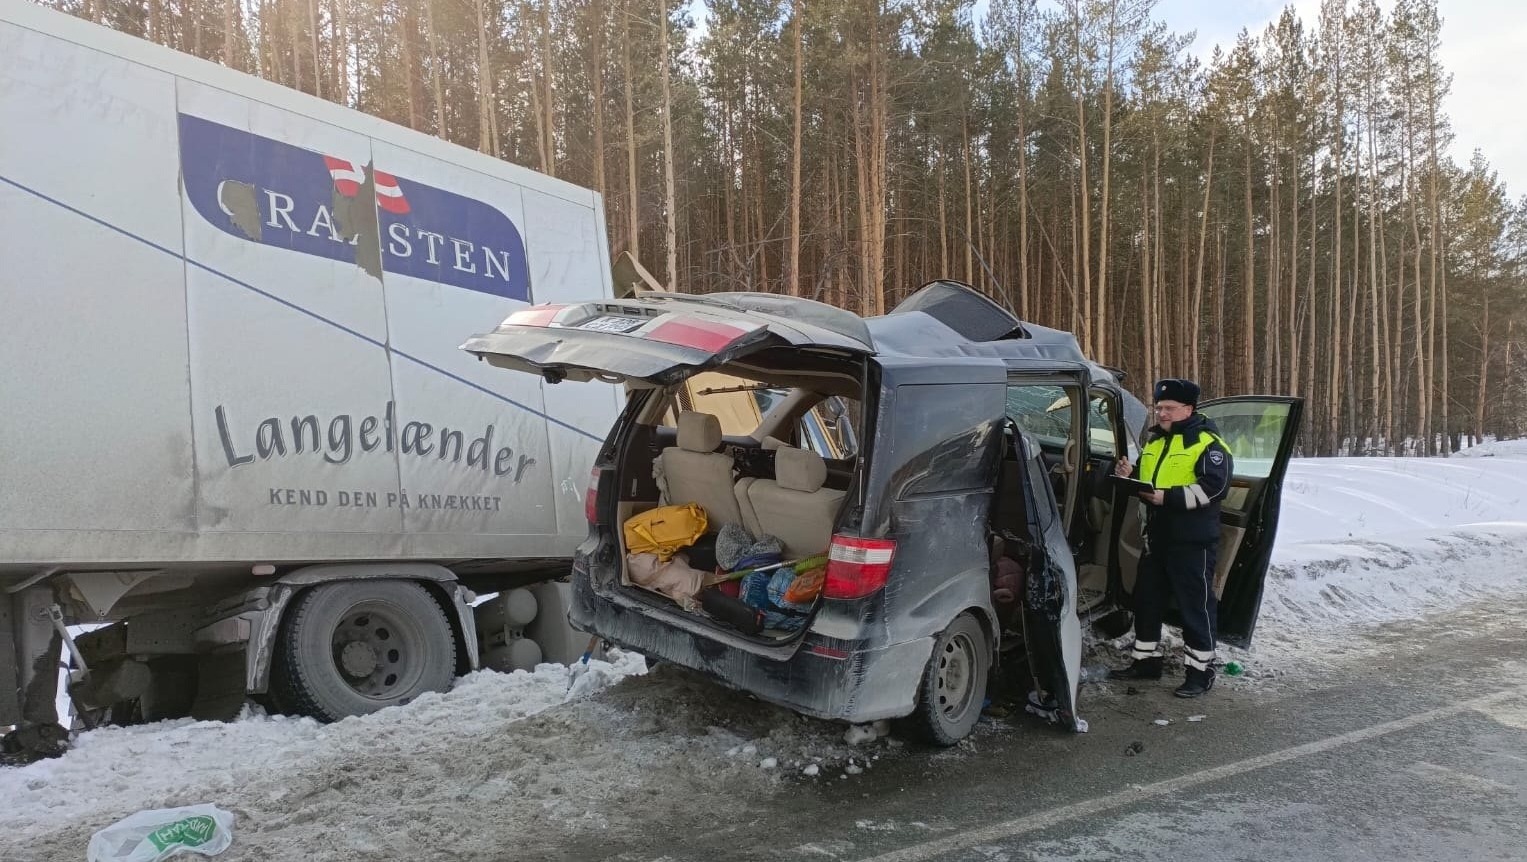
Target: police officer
(1189, 467)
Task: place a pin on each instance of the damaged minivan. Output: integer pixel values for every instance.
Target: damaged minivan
(875, 508)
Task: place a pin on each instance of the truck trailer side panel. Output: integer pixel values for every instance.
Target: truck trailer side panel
(232, 315)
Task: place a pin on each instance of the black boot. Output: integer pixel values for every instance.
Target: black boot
(1140, 668)
(1197, 684)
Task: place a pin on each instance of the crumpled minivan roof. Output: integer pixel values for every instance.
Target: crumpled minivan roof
(948, 318)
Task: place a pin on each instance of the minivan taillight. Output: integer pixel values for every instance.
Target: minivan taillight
(591, 497)
(857, 567)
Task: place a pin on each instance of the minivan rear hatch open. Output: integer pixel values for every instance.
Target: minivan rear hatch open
(659, 339)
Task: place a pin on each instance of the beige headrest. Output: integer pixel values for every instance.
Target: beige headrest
(772, 443)
(699, 432)
(799, 469)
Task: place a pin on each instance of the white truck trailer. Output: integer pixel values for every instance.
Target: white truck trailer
(235, 423)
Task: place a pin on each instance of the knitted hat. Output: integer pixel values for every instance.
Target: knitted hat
(1179, 389)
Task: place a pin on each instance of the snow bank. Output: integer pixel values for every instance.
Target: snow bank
(1493, 448)
(1364, 541)
(498, 763)
(1325, 586)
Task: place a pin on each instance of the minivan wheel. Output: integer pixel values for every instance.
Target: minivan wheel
(953, 689)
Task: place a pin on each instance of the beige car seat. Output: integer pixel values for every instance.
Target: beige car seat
(694, 472)
(793, 506)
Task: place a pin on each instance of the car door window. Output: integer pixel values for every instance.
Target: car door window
(1253, 431)
(1102, 439)
(1044, 411)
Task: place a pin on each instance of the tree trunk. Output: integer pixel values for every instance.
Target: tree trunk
(1102, 346)
(1271, 371)
(1313, 355)
(970, 224)
(485, 142)
(633, 202)
(1484, 367)
(294, 29)
(1295, 312)
(1025, 311)
(943, 222)
(793, 263)
(313, 44)
(1386, 312)
(548, 97)
(339, 52)
(1218, 345)
(230, 17)
(1333, 386)
(1084, 194)
(1078, 262)
(1248, 286)
(1378, 307)
(410, 67)
(1149, 337)
(1195, 309)
(670, 197)
(1423, 371)
(879, 110)
(596, 80)
(729, 210)
(437, 71)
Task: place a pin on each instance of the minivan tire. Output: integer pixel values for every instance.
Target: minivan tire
(953, 689)
(355, 647)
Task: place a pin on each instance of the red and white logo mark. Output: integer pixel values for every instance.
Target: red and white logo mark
(348, 179)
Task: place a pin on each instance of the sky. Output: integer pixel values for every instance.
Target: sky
(1483, 46)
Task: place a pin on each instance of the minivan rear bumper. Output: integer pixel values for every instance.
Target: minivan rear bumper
(818, 676)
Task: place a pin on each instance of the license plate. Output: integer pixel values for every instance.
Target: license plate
(612, 324)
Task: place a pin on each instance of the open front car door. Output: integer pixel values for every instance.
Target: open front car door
(1260, 432)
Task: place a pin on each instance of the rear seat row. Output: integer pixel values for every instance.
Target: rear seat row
(793, 506)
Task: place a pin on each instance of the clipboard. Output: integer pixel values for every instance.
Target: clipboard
(1133, 486)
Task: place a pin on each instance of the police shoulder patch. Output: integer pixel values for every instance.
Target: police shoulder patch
(1216, 457)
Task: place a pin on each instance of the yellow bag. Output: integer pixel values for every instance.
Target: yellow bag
(665, 530)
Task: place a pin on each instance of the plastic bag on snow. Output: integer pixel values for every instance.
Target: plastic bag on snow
(152, 836)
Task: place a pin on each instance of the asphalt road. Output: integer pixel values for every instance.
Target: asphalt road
(1410, 745)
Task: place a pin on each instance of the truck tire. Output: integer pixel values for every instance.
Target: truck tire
(953, 690)
(354, 647)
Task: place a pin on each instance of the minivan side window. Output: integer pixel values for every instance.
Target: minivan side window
(1042, 410)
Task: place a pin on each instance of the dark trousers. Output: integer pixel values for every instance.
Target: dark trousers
(1187, 572)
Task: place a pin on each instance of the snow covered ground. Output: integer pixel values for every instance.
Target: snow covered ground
(1369, 540)
(519, 760)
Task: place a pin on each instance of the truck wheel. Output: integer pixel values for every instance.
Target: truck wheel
(953, 691)
(355, 647)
